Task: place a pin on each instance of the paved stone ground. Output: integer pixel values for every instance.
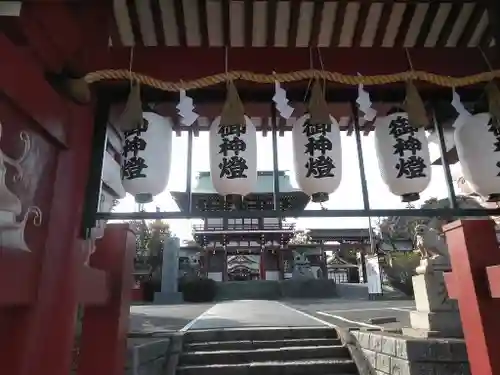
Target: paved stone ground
(158, 318)
(357, 313)
(235, 314)
(231, 314)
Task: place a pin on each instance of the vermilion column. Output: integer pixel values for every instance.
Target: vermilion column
(105, 327)
(473, 247)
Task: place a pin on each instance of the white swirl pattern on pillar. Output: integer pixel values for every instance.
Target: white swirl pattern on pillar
(478, 148)
(147, 156)
(403, 156)
(233, 157)
(317, 157)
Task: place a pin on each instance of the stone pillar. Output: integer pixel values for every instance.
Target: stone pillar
(170, 273)
(436, 315)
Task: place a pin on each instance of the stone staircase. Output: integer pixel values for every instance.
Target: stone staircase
(283, 351)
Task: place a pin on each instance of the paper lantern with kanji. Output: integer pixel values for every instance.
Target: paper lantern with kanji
(403, 156)
(317, 157)
(233, 157)
(477, 142)
(147, 155)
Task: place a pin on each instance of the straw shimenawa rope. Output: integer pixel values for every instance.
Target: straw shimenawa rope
(445, 81)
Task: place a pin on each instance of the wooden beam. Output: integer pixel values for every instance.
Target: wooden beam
(59, 33)
(179, 63)
(23, 82)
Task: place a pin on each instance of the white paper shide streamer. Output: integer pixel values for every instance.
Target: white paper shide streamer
(281, 101)
(185, 109)
(403, 156)
(463, 113)
(318, 157)
(365, 104)
(233, 157)
(147, 155)
(477, 141)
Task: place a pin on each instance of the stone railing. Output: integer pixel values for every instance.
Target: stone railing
(147, 356)
(394, 354)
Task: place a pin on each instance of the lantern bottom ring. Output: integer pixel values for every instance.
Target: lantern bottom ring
(493, 197)
(143, 198)
(319, 197)
(410, 197)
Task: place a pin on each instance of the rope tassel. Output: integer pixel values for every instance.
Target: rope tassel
(131, 117)
(233, 111)
(414, 106)
(318, 109)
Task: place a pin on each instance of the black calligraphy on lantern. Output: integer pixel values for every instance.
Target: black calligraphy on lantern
(318, 165)
(134, 165)
(233, 165)
(410, 165)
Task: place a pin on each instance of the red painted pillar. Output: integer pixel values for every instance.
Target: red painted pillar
(105, 327)
(473, 247)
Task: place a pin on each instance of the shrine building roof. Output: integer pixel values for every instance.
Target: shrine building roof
(265, 183)
(206, 198)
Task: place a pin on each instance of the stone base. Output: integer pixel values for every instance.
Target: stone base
(390, 354)
(431, 294)
(447, 322)
(424, 333)
(168, 298)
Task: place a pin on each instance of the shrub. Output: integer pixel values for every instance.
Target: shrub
(198, 290)
(399, 270)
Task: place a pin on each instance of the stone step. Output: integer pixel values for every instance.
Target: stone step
(263, 355)
(305, 367)
(258, 344)
(251, 334)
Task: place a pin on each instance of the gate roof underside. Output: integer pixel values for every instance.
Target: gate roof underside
(374, 37)
(295, 23)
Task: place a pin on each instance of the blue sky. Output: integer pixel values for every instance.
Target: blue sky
(347, 196)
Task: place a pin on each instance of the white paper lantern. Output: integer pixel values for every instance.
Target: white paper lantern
(478, 149)
(147, 153)
(317, 157)
(403, 156)
(233, 157)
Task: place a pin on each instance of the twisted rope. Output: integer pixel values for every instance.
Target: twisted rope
(444, 81)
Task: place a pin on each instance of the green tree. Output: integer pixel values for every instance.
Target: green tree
(150, 238)
(400, 267)
(300, 237)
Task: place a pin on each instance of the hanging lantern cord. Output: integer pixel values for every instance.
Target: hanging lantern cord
(130, 65)
(226, 65)
(322, 67)
(410, 62)
(311, 67)
(486, 60)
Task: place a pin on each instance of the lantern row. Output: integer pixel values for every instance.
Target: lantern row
(401, 146)
(402, 152)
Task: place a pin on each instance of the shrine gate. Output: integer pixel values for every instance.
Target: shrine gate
(65, 70)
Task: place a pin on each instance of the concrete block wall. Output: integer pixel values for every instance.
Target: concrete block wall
(147, 356)
(394, 354)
